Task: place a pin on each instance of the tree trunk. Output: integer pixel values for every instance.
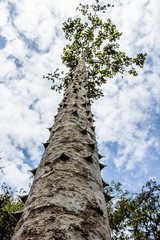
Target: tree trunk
(66, 200)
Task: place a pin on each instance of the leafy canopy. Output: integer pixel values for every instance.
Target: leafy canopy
(135, 216)
(96, 42)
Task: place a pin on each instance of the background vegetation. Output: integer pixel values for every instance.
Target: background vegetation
(131, 215)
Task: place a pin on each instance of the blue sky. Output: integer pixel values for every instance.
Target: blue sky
(127, 117)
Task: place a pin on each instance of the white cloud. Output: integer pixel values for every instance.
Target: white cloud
(4, 14)
(14, 176)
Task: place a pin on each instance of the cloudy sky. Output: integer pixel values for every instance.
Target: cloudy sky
(127, 117)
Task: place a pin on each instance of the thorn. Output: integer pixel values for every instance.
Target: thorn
(88, 112)
(75, 105)
(17, 214)
(46, 144)
(105, 184)
(84, 131)
(75, 112)
(33, 171)
(50, 129)
(93, 128)
(90, 119)
(64, 157)
(91, 145)
(75, 90)
(100, 156)
(89, 158)
(107, 197)
(23, 198)
(101, 165)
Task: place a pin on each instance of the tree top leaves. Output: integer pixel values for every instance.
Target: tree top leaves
(97, 42)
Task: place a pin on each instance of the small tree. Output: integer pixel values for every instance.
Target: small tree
(8, 205)
(135, 215)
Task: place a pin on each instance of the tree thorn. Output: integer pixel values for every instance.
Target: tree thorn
(91, 145)
(101, 165)
(84, 131)
(64, 157)
(100, 156)
(105, 184)
(17, 214)
(93, 128)
(33, 171)
(107, 197)
(23, 197)
(46, 144)
(89, 158)
(75, 112)
(50, 129)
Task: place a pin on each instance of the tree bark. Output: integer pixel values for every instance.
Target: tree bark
(66, 200)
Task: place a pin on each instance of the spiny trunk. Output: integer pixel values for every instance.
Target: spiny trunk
(66, 200)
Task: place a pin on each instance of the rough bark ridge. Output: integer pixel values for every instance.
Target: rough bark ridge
(66, 200)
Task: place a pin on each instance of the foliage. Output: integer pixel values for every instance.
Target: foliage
(96, 42)
(131, 215)
(8, 205)
(135, 216)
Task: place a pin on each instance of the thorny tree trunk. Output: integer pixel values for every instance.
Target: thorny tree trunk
(66, 200)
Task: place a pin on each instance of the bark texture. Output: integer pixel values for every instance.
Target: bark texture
(66, 200)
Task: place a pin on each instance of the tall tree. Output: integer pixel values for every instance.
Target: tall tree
(67, 200)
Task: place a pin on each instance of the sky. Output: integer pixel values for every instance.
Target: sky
(127, 118)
